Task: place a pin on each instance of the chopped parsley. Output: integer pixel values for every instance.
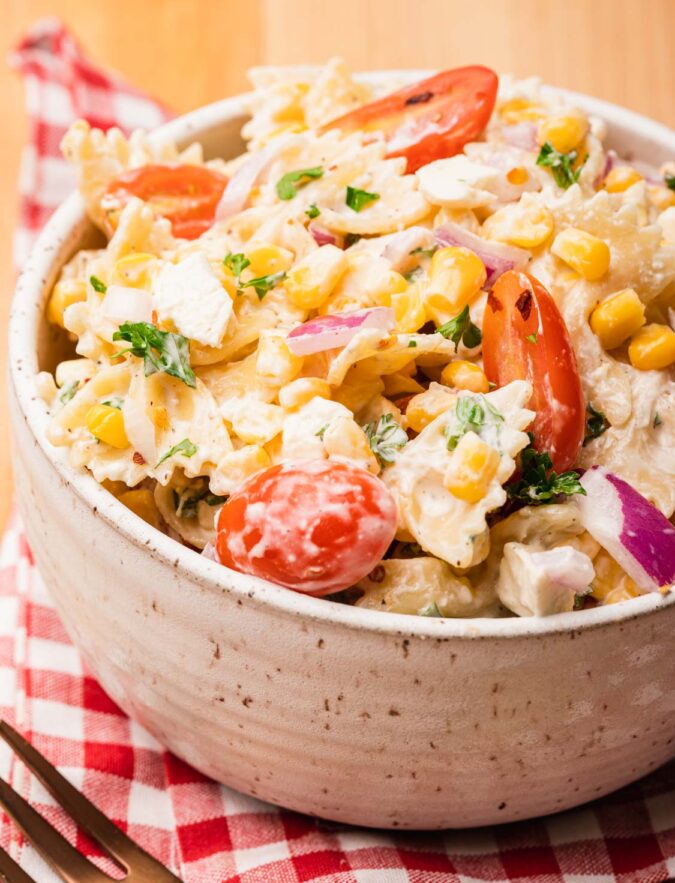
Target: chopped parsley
(312, 211)
(425, 252)
(185, 447)
(68, 391)
(237, 263)
(431, 610)
(97, 285)
(287, 187)
(160, 350)
(596, 423)
(532, 338)
(538, 482)
(358, 199)
(385, 438)
(461, 328)
(185, 501)
(560, 165)
(413, 274)
(264, 284)
(670, 181)
(657, 421)
(412, 344)
(115, 402)
(321, 432)
(469, 416)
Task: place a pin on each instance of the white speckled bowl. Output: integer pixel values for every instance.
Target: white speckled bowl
(362, 717)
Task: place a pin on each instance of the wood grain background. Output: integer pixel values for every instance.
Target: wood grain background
(189, 52)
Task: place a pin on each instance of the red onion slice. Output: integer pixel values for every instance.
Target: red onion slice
(209, 551)
(238, 189)
(336, 330)
(635, 533)
(322, 236)
(497, 257)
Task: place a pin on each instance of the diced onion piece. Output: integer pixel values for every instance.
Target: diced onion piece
(322, 236)
(123, 304)
(399, 247)
(639, 537)
(337, 329)
(497, 257)
(209, 551)
(522, 135)
(238, 189)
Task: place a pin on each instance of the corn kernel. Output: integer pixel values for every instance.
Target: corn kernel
(525, 224)
(620, 179)
(564, 133)
(267, 259)
(275, 362)
(456, 276)
(583, 252)
(238, 465)
(517, 176)
(298, 392)
(408, 307)
(428, 405)
(107, 425)
(652, 348)
(472, 467)
(615, 319)
(142, 503)
(134, 270)
(611, 583)
(310, 283)
(519, 110)
(65, 293)
(464, 375)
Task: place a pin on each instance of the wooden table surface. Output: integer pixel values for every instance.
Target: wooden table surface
(189, 52)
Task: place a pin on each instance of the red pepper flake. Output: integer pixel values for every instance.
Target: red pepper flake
(138, 458)
(494, 303)
(524, 305)
(420, 98)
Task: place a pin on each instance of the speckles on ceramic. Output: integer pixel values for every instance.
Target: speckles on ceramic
(349, 714)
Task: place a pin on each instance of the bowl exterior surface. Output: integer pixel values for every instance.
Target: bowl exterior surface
(360, 717)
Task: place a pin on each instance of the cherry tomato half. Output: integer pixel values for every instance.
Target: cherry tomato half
(187, 195)
(314, 526)
(525, 338)
(429, 120)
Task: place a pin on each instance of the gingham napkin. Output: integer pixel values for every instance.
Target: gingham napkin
(204, 832)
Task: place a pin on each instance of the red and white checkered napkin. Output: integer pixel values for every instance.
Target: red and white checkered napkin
(204, 832)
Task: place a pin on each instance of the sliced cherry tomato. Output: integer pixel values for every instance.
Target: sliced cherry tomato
(315, 526)
(525, 338)
(431, 119)
(185, 194)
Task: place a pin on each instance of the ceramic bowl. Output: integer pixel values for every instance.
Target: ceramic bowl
(353, 715)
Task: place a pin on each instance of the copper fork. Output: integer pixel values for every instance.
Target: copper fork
(68, 863)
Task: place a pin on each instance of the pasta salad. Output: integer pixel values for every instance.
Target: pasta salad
(410, 351)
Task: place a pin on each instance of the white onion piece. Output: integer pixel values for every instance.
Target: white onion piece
(123, 304)
(336, 330)
(635, 533)
(139, 427)
(497, 257)
(238, 188)
(522, 135)
(399, 246)
(322, 236)
(209, 551)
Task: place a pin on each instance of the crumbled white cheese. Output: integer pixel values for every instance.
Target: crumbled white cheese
(190, 295)
(535, 583)
(458, 182)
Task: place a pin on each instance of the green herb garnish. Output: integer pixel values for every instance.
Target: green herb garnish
(287, 187)
(185, 447)
(425, 252)
(596, 423)
(68, 391)
(412, 344)
(237, 263)
(312, 211)
(560, 165)
(431, 610)
(413, 274)
(321, 432)
(263, 284)
(532, 338)
(461, 328)
(469, 416)
(657, 421)
(385, 438)
(97, 285)
(358, 199)
(160, 350)
(539, 483)
(670, 181)
(115, 402)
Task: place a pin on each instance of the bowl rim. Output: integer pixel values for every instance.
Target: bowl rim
(26, 313)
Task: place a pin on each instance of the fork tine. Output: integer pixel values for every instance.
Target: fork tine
(54, 848)
(132, 858)
(10, 871)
